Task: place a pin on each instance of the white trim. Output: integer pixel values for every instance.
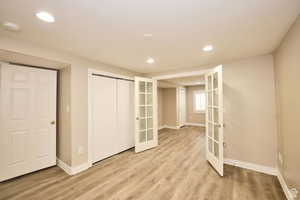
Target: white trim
(183, 74)
(90, 118)
(194, 124)
(90, 138)
(64, 166)
(161, 127)
(171, 127)
(93, 71)
(284, 186)
(251, 166)
(71, 170)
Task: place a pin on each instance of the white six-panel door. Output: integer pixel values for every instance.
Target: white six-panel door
(214, 118)
(27, 123)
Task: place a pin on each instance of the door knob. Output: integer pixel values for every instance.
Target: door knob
(219, 125)
(53, 122)
(137, 118)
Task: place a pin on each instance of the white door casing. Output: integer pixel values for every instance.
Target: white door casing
(214, 118)
(146, 133)
(28, 120)
(182, 106)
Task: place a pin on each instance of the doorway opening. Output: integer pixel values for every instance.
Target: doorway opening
(195, 99)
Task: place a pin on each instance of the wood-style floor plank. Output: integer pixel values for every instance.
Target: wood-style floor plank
(175, 170)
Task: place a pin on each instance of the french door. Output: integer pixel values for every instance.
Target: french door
(27, 120)
(214, 118)
(146, 134)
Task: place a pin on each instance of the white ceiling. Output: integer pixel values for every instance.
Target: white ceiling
(111, 31)
(187, 81)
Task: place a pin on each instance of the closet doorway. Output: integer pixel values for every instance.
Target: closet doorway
(122, 114)
(112, 114)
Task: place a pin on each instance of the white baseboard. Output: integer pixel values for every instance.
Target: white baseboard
(251, 166)
(170, 127)
(194, 124)
(71, 170)
(284, 186)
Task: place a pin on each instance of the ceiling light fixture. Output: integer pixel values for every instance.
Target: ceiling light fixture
(150, 60)
(208, 48)
(147, 35)
(11, 26)
(45, 16)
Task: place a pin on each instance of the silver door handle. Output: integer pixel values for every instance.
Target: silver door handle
(53, 122)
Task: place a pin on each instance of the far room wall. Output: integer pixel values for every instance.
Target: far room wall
(250, 131)
(191, 116)
(167, 111)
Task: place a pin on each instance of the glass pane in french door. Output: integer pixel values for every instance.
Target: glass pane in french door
(149, 87)
(145, 111)
(215, 115)
(142, 112)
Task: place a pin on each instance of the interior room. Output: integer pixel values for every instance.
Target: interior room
(149, 100)
(181, 102)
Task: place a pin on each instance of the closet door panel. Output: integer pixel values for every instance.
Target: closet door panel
(104, 110)
(125, 115)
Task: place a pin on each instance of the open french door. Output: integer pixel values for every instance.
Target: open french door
(146, 135)
(214, 118)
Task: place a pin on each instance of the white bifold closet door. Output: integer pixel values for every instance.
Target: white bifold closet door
(112, 118)
(27, 120)
(125, 115)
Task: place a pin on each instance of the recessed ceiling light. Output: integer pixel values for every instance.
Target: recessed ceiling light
(11, 26)
(208, 48)
(147, 35)
(150, 60)
(45, 16)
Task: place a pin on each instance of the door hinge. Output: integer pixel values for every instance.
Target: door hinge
(294, 192)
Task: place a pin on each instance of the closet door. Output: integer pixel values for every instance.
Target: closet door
(125, 115)
(104, 109)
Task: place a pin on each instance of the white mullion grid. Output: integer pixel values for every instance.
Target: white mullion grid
(146, 109)
(212, 113)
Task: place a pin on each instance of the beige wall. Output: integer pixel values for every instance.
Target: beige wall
(287, 70)
(167, 104)
(64, 117)
(249, 110)
(78, 93)
(191, 116)
(160, 107)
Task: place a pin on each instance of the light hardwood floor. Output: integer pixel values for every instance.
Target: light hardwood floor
(175, 170)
